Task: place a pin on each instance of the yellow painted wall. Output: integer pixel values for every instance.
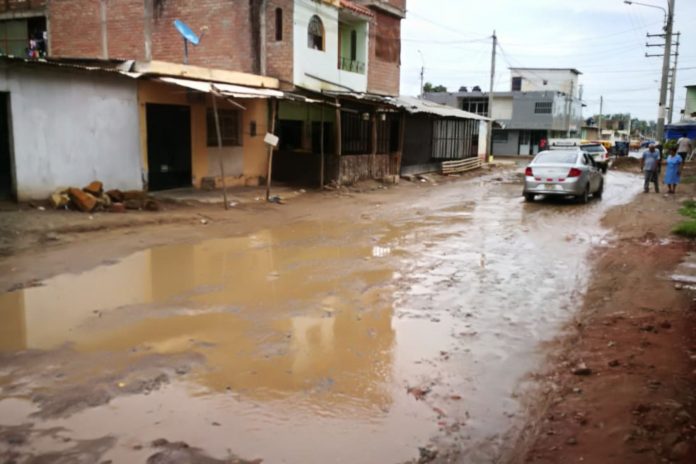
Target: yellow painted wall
(254, 149)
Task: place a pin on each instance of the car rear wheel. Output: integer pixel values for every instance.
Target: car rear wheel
(529, 197)
(585, 197)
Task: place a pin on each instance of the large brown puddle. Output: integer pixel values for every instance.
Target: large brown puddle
(300, 342)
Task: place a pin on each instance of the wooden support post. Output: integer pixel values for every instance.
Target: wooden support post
(321, 149)
(373, 151)
(339, 142)
(274, 112)
(402, 136)
(220, 153)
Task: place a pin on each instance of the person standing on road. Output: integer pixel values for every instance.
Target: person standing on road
(684, 147)
(650, 165)
(673, 171)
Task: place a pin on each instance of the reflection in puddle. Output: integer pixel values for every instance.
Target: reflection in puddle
(311, 332)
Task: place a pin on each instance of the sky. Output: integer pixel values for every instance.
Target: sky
(604, 39)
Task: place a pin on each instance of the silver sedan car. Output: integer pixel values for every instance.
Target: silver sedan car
(563, 173)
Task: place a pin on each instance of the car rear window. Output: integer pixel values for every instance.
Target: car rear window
(593, 148)
(563, 157)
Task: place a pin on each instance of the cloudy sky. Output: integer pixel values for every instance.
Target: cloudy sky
(604, 39)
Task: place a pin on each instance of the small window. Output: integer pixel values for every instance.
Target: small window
(279, 24)
(516, 84)
(543, 107)
(315, 34)
(500, 136)
(229, 128)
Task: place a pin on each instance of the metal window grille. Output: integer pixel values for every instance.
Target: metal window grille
(452, 138)
(356, 134)
(230, 128)
(543, 107)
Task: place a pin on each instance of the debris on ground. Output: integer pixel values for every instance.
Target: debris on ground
(417, 392)
(93, 198)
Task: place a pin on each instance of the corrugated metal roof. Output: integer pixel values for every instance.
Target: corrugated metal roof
(229, 90)
(414, 105)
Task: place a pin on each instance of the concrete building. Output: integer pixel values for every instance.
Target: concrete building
(130, 125)
(328, 54)
(690, 103)
(542, 103)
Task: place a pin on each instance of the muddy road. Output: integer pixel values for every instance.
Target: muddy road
(409, 322)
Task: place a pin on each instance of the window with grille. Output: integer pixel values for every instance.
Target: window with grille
(315, 33)
(230, 128)
(500, 136)
(543, 107)
(356, 134)
(452, 138)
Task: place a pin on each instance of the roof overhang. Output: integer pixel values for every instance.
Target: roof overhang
(414, 105)
(385, 7)
(356, 11)
(219, 88)
(163, 68)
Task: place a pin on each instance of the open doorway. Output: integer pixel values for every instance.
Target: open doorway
(168, 146)
(7, 190)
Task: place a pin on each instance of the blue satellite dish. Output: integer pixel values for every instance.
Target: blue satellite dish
(186, 32)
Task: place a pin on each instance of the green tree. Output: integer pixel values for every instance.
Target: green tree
(430, 88)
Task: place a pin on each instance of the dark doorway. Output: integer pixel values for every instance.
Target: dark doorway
(168, 146)
(6, 187)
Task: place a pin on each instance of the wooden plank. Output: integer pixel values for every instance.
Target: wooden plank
(453, 167)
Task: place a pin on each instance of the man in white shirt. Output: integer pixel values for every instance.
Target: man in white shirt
(684, 148)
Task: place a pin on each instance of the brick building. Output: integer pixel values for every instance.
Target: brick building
(327, 50)
(236, 36)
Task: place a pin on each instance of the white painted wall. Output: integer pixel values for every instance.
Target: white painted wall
(556, 80)
(483, 139)
(502, 108)
(322, 64)
(70, 128)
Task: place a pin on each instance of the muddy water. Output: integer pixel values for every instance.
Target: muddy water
(298, 343)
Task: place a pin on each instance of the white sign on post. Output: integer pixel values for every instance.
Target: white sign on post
(271, 139)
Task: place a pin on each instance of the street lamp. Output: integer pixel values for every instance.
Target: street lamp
(630, 2)
(669, 24)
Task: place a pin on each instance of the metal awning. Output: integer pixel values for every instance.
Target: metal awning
(414, 105)
(227, 90)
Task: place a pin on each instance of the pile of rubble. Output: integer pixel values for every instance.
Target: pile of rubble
(93, 198)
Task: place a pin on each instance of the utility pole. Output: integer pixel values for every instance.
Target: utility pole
(570, 106)
(665, 71)
(422, 75)
(489, 144)
(601, 108)
(673, 82)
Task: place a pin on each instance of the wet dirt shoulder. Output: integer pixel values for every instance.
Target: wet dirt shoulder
(618, 386)
(72, 242)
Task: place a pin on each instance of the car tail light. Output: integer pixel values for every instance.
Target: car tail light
(528, 172)
(574, 172)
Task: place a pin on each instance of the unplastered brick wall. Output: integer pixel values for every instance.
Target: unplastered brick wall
(21, 5)
(76, 31)
(75, 28)
(279, 53)
(385, 54)
(227, 41)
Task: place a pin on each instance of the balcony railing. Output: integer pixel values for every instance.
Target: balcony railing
(352, 66)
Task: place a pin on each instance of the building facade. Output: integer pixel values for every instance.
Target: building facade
(690, 103)
(327, 51)
(541, 104)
